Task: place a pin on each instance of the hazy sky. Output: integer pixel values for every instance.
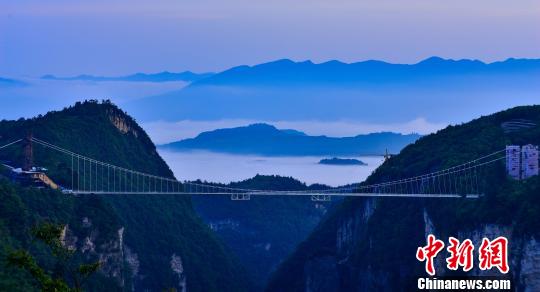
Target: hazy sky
(109, 37)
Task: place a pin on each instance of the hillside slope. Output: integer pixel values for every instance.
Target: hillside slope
(263, 231)
(370, 244)
(87, 218)
(153, 242)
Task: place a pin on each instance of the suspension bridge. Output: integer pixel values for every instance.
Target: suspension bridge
(91, 176)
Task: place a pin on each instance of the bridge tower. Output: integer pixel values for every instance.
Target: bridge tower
(28, 153)
(387, 155)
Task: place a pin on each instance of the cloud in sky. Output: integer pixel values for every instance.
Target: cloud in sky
(164, 132)
(125, 36)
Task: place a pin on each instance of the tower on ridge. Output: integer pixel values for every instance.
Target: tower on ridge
(28, 153)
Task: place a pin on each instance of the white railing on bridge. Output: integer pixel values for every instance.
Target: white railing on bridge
(91, 176)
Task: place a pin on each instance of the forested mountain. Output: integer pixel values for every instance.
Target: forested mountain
(159, 242)
(369, 244)
(264, 139)
(264, 230)
(145, 242)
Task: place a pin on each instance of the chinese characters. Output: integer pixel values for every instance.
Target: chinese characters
(491, 254)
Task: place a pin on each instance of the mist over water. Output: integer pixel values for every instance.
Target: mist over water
(225, 168)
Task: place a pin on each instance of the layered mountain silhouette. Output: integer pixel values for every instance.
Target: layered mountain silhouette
(138, 77)
(264, 139)
(436, 89)
(10, 82)
(286, 71)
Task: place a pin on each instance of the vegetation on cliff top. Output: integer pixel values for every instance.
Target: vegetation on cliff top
(155, 227)
(386, 244)
(264, 230)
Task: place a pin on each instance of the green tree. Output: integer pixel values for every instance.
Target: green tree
(67, 272)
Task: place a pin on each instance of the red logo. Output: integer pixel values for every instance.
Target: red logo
(494, 254)
(461, 254)
(429, 252)
(490, 254)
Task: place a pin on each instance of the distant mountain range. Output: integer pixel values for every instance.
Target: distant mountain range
(436, 89)
(286, 71)
(10, 82)
(264, 139)
(138, 77)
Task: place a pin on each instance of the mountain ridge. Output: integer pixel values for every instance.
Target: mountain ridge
(163, 76)
(11, 82)
(265, 139)
(369, 244)
(436, 89)
(361, 71)
(143, 235)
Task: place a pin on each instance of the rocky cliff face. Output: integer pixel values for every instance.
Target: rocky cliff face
(529, 265)
(109, 251)
(178, 268)
(122, 124)
(523, 252)
(372, 243)
(134, 236)
(351, 229)
(326, 272)
(336, 271)
(262, 232)
(133, 264)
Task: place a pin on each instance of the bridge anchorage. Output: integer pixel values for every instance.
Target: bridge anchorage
(321, 198)
(240, 197)
(91, 176)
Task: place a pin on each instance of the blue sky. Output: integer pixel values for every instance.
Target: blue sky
(68, 37)
(117, 37)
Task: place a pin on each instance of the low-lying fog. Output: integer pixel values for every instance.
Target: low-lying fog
(224, 168)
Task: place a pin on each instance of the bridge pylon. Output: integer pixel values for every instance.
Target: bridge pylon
(28, 152)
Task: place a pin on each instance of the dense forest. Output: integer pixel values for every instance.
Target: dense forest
(156, 228)
(263, 231)
(146, 243)
(159, 242)
(369, 244)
